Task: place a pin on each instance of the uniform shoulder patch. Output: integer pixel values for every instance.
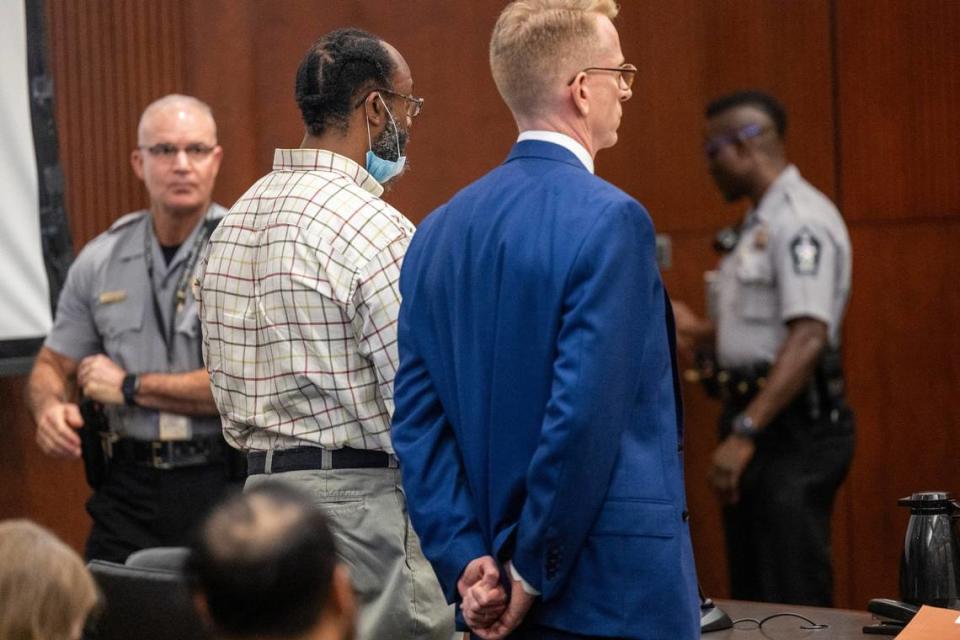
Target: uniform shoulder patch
(805, 251)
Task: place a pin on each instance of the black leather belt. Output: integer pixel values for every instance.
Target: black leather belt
(168, 454)
(305, 458)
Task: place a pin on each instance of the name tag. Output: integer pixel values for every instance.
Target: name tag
(112, 296)
(174, 426)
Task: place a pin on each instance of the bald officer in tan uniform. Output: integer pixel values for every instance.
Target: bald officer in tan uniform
(779, 298)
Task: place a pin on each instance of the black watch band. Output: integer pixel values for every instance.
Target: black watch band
(130, 387)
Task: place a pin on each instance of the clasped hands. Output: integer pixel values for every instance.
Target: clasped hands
(487, 610)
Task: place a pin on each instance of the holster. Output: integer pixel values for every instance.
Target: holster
(828, 381)
(92, 436)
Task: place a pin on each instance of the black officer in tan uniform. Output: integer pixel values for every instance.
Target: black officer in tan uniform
(126, 339)
(777, 306)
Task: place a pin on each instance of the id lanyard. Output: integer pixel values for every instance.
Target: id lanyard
(180, 297)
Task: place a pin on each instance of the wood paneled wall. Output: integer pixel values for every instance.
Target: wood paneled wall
(898, 91)
(110, 60)
(871, 88)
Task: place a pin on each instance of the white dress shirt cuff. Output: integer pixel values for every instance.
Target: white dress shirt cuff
(527, 587)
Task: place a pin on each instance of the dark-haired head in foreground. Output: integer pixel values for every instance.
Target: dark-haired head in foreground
(743, 143)
(264, 566)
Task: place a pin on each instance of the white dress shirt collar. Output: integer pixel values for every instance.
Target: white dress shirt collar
(564, 141)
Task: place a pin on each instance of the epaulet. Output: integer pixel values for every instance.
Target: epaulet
(126, 220)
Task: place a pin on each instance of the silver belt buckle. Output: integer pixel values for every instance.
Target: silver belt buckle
(188, 454)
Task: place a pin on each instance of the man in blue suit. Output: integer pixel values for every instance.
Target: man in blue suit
(538, 416)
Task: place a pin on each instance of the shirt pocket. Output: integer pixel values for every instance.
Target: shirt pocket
(121, 328)
(757, 296)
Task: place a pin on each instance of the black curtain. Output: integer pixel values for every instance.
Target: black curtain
(15, 355)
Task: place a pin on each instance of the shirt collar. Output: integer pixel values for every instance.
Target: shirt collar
(323, 160)
(788, 176)
(761, 212)
(134, 248)
(564, 141)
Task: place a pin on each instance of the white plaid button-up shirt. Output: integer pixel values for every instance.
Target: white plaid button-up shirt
(299, 298)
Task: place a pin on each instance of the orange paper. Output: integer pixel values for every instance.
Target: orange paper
(932, 623)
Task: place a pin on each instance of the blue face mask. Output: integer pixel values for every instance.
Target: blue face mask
(382, 169)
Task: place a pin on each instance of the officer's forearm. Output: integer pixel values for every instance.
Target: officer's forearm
(185, 393)
(703, 332)
(791, 371)
(51, 380)
(695, 330)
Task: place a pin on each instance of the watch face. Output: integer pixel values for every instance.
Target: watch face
(743, 426)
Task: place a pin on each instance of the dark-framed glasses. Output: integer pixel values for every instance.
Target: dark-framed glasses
(167, 151)
(627, 74)
(713, 144)
(414, 104)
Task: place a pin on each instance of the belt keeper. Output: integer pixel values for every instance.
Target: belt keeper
(268, 462)
(326, 459)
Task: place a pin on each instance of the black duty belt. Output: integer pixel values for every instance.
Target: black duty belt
(306, 458)
(741, 383)
(168, 454)
(729, 384)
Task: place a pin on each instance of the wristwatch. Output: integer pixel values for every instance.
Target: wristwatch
(744, 427)
(130, 387)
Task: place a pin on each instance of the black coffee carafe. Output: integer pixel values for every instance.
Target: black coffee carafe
(930, 565)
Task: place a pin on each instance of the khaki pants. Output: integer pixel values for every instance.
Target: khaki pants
(396, 587)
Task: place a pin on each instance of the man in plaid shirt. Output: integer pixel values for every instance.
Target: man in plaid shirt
(299, 301)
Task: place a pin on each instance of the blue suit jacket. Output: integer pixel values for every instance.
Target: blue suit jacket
(538, 416)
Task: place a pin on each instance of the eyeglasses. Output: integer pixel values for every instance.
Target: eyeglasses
(414, 104)
(712, 145)
(627, 72)
(195, 151)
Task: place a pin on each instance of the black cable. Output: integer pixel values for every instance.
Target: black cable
(811, 624)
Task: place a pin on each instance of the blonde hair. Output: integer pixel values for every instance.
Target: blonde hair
(46, 592)
(537, 42)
